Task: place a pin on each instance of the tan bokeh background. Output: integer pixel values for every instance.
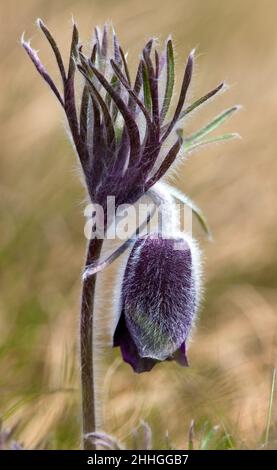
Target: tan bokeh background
(42, 243)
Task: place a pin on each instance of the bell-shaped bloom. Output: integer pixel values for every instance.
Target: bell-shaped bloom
(159, 300)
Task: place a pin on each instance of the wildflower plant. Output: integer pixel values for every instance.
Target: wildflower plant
(126, 143)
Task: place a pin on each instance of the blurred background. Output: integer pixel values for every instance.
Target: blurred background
(227, 388)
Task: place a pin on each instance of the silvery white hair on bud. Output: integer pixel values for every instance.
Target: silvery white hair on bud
(161, 197)
(169, 221)
(140, 322)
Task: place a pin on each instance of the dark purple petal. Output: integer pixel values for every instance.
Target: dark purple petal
(126, 70)
(129, 350)
(146, 88)
(153, 82)
(166, 163)
(84, 115)
(180, 356)
(73, 52)
(137, 87)
(152, 146)
(97, 40)
(157, 64)
(104, 46)
(170, 79)
(71, 114)
(117, 55)
(127, 115)
(105, 111)
(148, 46)
(41, 69)
(54, 47)
(123, 151)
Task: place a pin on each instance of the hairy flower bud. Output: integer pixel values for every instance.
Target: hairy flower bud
(159, 300)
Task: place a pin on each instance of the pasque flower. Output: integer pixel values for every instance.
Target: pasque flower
(127, 136)
(121, 136)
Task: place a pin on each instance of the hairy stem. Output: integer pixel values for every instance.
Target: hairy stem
(86, 346)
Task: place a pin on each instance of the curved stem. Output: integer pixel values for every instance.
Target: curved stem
(86, 346)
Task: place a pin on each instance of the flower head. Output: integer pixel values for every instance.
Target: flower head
(159, 300)
(121, 131)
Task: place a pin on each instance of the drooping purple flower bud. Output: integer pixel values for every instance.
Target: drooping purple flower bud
(159, 300)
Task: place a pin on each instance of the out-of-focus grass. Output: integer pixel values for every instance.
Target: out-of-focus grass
(42, 243)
